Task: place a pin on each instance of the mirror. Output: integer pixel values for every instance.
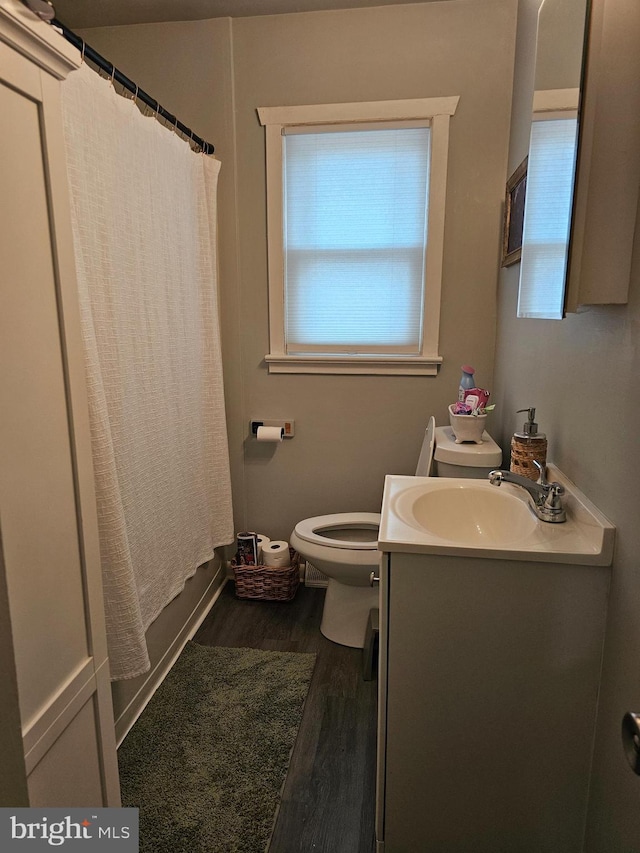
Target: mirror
(552, 158)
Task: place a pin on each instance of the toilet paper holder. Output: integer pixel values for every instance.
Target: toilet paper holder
(287, 426)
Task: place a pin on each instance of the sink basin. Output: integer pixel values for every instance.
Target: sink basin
(466, 517)
(473, 514)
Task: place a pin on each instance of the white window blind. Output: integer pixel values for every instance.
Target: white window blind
(355, 227)
(547, 217)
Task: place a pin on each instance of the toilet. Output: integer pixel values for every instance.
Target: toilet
(344, 546)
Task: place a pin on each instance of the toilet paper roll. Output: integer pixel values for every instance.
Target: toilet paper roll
(263, 541)
(270, 433)
(276, 554)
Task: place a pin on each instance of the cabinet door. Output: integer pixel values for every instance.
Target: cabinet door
(47, 505)
(492, 677)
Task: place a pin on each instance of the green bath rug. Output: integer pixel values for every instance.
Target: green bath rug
(206, 761)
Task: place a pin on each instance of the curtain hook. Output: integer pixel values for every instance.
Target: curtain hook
(84, 44)
(134, 96)
(113, 73)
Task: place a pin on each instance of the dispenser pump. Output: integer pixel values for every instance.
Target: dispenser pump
(530, 427)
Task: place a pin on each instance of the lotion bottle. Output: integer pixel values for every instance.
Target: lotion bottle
(527, 446)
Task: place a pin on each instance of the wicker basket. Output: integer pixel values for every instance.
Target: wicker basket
(268, 583)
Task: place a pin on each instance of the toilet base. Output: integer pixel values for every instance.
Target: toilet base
(346, 613)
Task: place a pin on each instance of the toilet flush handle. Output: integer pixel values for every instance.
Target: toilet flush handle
(373, 579)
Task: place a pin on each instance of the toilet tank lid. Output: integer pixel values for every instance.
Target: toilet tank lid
(485, 455)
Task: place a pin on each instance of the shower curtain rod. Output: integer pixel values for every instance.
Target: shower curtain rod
(91, 54)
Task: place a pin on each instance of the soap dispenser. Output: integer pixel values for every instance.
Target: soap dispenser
(527, 446)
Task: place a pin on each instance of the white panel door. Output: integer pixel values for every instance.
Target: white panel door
(51, 567)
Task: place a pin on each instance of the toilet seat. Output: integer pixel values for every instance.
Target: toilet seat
(425, 460)
(311, 530)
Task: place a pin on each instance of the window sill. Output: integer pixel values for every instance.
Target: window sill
(361, 365)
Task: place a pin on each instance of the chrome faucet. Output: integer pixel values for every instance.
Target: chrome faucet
(546, 498)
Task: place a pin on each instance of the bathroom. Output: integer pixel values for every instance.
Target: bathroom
(351, 430)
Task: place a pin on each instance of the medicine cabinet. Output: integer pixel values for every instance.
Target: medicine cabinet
(592, 177)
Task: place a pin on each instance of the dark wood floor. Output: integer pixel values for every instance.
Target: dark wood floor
(328, 802)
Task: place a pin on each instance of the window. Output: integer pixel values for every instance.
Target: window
(547, 216)
(355, 196)
(355, 221)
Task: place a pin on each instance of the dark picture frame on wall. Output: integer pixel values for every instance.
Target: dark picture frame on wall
(514, 215)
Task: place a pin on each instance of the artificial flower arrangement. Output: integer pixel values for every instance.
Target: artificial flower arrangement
(464, 409)
(475, 403)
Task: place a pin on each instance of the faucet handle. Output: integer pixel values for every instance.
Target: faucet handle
(553, 501)
(554, 489)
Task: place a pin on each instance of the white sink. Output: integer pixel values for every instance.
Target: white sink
(462, 517)
(467, 512)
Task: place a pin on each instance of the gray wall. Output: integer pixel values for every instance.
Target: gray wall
(580, 373)
(350, 431)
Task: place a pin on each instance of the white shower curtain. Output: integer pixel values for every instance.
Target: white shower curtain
(144, 221)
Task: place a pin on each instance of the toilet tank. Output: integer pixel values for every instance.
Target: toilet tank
(464, 460)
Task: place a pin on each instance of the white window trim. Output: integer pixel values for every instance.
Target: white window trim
(552, 100)
(437, 111)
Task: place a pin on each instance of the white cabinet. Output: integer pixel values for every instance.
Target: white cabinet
(58, 736)
(489, 675)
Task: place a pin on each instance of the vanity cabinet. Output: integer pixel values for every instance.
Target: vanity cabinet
(489, 674)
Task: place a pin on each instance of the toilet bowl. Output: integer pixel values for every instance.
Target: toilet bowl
(344, 546)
